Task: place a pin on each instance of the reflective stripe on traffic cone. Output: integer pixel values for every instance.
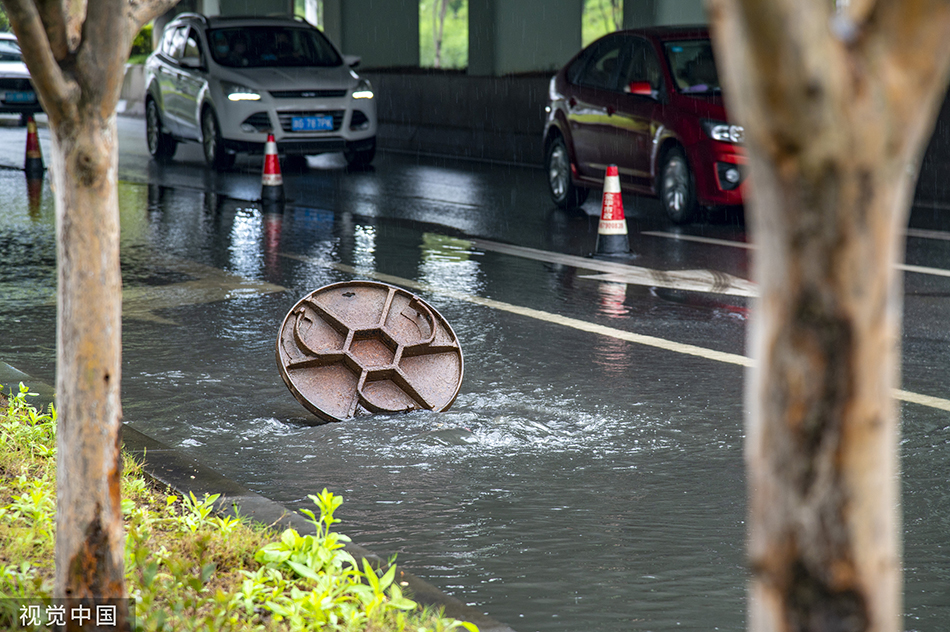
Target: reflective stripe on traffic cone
(33, 163)
(612, 230)
(272, 184)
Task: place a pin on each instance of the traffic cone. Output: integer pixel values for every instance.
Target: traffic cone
(612, 230)
(33, 164)
(272, 185)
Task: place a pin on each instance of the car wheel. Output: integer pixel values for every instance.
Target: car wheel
(360, 158)
(677, 191)
(557, 163)
(160, 145)
(215, 154)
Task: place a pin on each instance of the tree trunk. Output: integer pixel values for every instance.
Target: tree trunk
(89, 532)
(837, 109)
(76, 52)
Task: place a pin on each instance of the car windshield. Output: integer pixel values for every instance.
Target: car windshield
(9, 51)
(693, 66)
(268, 46)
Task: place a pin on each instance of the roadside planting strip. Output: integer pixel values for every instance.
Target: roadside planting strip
(575, 323)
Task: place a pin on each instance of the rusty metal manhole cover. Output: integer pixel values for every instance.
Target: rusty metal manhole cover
(366, 347)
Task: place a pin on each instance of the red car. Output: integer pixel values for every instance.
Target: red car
(649, 101)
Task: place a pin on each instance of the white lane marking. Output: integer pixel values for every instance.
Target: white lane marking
(922, 233)
(711, 281)
(923, 400)
(741, 244)
(557, 319)
(581, 325)
(700, 240)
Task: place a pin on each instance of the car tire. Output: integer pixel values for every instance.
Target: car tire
(557, 164)
(211, 144)
(677, 191)
(161, 146)
(360, 158)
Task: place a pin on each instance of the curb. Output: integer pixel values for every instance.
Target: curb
(184, 474)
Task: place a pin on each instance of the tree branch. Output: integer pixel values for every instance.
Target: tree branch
(51, 13)
(911, 53)
(54, 89)
(144, 11)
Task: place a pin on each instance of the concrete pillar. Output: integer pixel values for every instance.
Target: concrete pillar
(385, 33)
(256, 7)
(640, 13)
(681, 12)
(521, 36)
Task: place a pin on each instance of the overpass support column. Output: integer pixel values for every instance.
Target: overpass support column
(640, 13)
(521, 36)
(385, 33)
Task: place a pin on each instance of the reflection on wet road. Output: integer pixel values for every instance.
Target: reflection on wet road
(589, 474)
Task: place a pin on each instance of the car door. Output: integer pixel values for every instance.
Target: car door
(191, 80)
(166, 74)
(633, 121)
(591, 104)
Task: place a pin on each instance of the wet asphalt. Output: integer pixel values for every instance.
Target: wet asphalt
(590, 472)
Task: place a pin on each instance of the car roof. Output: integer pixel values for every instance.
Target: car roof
(7, 36)
(219, 21)
(667, 33)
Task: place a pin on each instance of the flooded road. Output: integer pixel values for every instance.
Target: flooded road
(590, 473)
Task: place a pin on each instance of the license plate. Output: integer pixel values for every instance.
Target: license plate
(319, 123)
(20, 97)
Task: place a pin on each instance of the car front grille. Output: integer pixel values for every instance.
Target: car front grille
(259, 121)
(15, 84)
(307, 94)
(286, 118)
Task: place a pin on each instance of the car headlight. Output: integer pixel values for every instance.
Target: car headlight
(724, 132)
(237, 92)
(364, 90)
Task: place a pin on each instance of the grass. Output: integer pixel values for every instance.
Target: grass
(188, 568)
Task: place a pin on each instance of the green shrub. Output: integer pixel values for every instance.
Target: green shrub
(186, 567)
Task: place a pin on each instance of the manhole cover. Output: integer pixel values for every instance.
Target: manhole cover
(365, 347)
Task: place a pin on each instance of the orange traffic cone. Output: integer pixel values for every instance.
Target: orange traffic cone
(612, 230)
(272, 185)
(33, 164)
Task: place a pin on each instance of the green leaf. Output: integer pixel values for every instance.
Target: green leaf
(207, 571)
(149, 573)
(387, 579)
(289, 537)
(303, 571)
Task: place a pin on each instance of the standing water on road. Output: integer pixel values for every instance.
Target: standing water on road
(578, 482)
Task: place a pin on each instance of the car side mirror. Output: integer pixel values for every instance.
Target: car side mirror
(352, 60)
(190, 62)
(640, 88)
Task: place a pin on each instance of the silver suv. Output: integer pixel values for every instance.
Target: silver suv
(227, 82)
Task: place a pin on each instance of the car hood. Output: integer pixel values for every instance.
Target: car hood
(290, 78)
(14, 69)
(704, 105)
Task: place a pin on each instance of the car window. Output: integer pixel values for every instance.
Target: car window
(640, 64)
(693, 66)
(173, 42)
(267, 46)
(601, 69)
(192, 49)
(10, 51)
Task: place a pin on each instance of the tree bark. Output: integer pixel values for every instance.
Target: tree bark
(837, 109)
(76, 54)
